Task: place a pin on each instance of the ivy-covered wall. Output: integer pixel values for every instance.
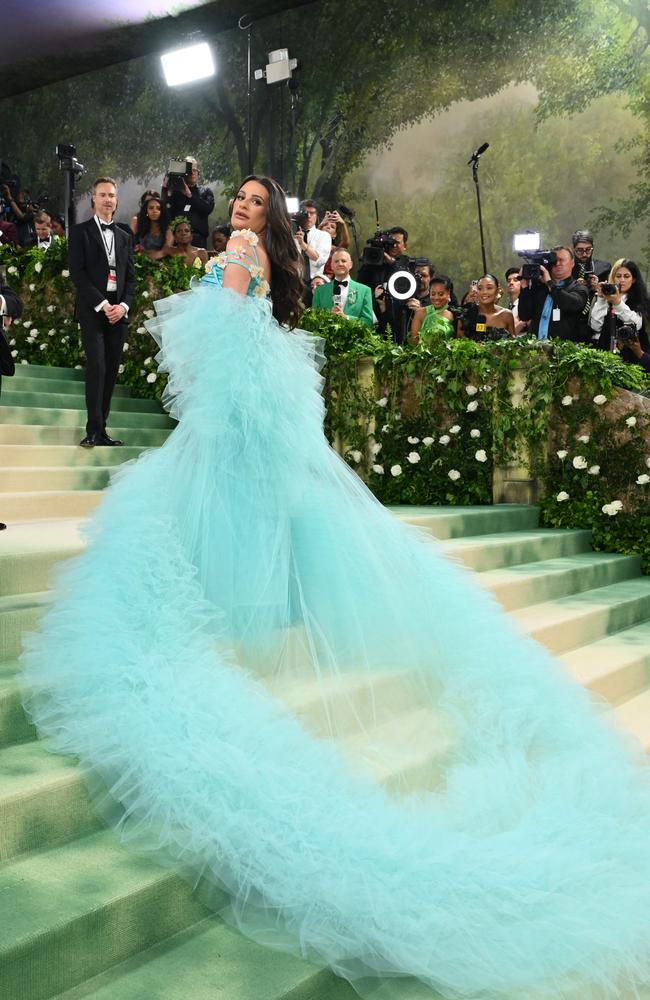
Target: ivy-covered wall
(422, 425)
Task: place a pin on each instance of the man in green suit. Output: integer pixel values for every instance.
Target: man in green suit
(342, 295)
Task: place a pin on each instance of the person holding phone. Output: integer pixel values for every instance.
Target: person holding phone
(620, 314)
(340, 235)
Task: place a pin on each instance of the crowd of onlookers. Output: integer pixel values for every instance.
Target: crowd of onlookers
(578, 297)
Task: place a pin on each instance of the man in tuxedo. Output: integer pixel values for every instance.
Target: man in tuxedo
(342, 295)
(10, 308)
(102, 269)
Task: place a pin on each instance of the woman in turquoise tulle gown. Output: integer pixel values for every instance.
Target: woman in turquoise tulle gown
(271, 681)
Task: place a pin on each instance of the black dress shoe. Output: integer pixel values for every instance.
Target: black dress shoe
(90, 441)
(103, 439)
(2, 526)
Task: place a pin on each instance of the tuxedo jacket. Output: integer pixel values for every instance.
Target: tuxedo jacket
(358, 305)
(12, 307)
(89, 265)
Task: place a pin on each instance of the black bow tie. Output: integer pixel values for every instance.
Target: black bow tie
(107, 225)
(342, 282)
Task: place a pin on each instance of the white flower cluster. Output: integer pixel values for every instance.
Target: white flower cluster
(612, 509)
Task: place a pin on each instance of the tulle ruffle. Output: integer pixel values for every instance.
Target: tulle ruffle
(281, 690)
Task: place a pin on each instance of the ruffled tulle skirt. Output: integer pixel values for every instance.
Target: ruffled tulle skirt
(295, 699)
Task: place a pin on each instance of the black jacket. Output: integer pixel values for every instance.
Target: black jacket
(570, 299)
(201, 205)
(89, 265)
(14, 309)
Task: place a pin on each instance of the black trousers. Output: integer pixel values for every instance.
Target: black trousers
(103, 345)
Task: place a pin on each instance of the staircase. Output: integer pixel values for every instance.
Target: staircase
(83, 917)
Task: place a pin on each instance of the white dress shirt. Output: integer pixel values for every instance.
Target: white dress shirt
(342, 291)
(109, 246)
(622, 311)
(322, 243)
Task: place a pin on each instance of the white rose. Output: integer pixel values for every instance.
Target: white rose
(145, 295)
(147, 361)
(413, 440)
(454, 474)
(151, 377)
(42, 347)
(610, 509)
(51, 309)
(562, 496)
(471, 390)
(354, 455)
(12, 342)
(475, 432)
(584, 438)
(150, 313)
(643, 479)
(379, 469)
(631, 421)
(375, 449)
(580, 462)
(413, 457)
(593, 470)
(141, 329)
(142, 371)
(383, 401)
(24, 362)
(78, 368)
(439, 379)
(126, 347)
(567, 400)
(445, 439)
(65, 274)
(14, 354)
(455, 429)
(472, 406)
(12, 270)
(27, 324)
(398, 416)
(600, 399)
(396, 470)
(34, 332)
(562, 453)
(51, 332)
(385, 429)
(481, 455)
(120, 370)
(427, 442)
(38, 267)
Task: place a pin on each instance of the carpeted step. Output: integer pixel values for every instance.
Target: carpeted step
(457, 522)
(13, 456)
(75, 910)
(30, 551)
(43, 800)
(212, 961)
(18, 398)
(511, 548)
(75, 416)
(29, 371)
(634, 716)
(40, 505)
(15, 727)
(616, 667)
(579, 619)
(19, 613)
(24, 480)
(530, 583)
(55, 384)
(44, 434)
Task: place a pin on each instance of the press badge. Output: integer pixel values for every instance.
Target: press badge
(556, 315)
(111, 284)
(481, 328)
(187, 207)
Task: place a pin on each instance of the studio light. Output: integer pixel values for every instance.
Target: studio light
(193, 62)
(293, 204)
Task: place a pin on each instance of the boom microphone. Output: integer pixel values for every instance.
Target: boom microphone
(477, 152)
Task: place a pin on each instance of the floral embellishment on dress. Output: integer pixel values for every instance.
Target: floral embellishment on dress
(262, 290)
(246, 234)
(209, 264)
(198, 263)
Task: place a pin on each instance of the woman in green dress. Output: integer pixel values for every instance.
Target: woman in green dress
(434, 322)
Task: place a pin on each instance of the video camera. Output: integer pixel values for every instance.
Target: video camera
(377, 246)
(67, 156)
(527, 246)
(179, 173)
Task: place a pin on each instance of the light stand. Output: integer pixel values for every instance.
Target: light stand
(69, 164)
(473, 162)
(248, 28)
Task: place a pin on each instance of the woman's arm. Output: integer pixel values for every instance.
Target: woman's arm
(416, 323)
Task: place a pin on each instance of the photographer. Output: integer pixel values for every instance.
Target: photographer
(22, 212)
(423, 274)
(389, 311)
(620, 314)
(585, 264)
(195, 203)
(314, 244)
(10, 308)
(338, 230)
(554, 301)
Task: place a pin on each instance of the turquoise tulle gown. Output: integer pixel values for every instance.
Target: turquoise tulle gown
(281, 689)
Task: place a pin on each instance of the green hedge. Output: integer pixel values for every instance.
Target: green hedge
(422, 425)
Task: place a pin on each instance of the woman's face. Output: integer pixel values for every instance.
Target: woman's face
(439, 295)
(329, 227)
(487, 291)
(183, 234)
(153, 210)
(249, 210)
(624, 279)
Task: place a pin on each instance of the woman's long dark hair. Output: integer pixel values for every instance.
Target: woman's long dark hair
(144, 222)
(638, 299)
(279, 242)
